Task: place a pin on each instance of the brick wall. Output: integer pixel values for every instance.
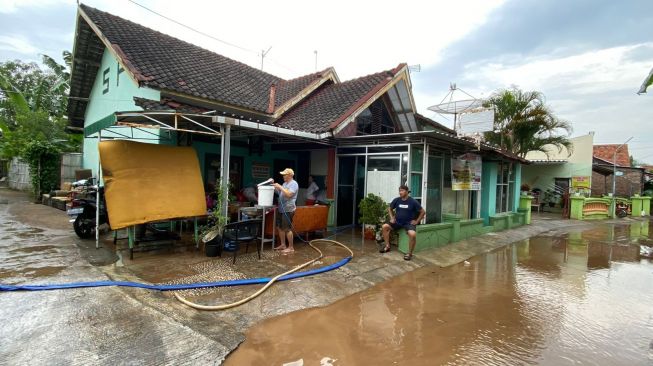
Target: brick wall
(627, 184)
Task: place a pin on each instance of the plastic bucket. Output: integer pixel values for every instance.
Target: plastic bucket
(265, 195)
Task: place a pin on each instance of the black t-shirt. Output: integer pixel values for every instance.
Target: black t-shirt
(405, 211)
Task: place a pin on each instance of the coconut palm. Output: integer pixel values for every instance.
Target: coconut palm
(523, 123)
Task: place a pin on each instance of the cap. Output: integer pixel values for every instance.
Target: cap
(287, 171)
(404, 187)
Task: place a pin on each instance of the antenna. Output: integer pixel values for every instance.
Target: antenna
(315, 52)
(263, 54)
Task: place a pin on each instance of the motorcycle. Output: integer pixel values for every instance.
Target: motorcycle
(84, 209)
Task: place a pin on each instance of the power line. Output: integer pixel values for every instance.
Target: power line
(195, 30)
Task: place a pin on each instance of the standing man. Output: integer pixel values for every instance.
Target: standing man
(287, 197)
(407, 213)
(311, 191)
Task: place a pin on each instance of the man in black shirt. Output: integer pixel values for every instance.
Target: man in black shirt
(408, 213)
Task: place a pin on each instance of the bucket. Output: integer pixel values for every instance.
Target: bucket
(265, 195)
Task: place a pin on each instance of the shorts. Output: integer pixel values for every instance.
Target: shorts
(283, 222)
(397, 226)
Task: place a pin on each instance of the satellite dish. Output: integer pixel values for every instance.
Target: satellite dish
(471, 118)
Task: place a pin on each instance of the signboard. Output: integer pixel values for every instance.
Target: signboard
(477, 120)
(619, 173)
(466, 172)
(581, 182)
(260, 170)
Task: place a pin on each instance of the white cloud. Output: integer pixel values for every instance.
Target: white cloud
(18, 44)
(12, 6)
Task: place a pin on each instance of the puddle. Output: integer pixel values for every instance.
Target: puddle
(32, 272)
(31, 249)
(582, 297)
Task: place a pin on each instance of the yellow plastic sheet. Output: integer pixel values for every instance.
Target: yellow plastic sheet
(147, 182)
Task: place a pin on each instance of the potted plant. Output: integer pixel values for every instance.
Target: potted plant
(373, 211)
(211, 234)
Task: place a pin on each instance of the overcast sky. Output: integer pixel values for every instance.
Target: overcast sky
(588, 57)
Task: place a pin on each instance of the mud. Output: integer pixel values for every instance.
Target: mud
(581, 297)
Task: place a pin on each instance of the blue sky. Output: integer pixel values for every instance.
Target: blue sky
(587, 57)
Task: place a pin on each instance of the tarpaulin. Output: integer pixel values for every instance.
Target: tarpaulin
(148, 182)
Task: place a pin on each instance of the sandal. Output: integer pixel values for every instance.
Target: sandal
(385, 250)
(408, 257)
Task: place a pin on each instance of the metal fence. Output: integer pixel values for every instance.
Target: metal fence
(70, 162)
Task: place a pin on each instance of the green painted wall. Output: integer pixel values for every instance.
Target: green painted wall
(515, 189)
(113, 91)
(268, 157)
(488, 191)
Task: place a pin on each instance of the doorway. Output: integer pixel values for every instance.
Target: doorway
(351, 188)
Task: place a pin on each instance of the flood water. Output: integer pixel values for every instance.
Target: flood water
(557, 299)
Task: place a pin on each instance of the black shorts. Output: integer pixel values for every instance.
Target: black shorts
(283, 222)
(397, 226)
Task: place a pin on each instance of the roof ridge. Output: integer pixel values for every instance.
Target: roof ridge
(317, 73)
(84, 6)
(389, 72)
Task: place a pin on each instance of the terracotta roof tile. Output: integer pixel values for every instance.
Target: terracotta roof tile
(606, 152)
(330, 102)
(164, 62)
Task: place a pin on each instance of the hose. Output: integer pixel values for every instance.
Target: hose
(270, 282)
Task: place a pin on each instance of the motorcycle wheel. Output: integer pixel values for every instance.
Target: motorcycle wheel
(83, 228)
(622, 213)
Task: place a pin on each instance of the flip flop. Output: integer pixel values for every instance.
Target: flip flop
(385, 250)
(408, 257)
(279, 248)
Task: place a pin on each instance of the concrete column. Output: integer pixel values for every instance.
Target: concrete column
(576, 208)
(525, 208)
(455, 220)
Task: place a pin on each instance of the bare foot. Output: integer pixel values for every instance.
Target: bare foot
(288, 250)
(280, 247)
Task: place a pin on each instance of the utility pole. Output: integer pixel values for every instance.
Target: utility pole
(263, 54)
(614, 176)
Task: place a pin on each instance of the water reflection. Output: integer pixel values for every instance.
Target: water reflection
(582, 297)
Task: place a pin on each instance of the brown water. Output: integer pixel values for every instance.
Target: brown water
(576, 298)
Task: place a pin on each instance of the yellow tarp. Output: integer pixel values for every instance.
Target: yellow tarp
(147, 182)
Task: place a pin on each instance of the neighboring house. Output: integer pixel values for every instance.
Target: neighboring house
(560, 169)
(355, 137)
(609, 159)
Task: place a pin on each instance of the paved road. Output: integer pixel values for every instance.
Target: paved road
(130, 326)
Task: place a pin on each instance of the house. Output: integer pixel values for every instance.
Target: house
(355, 137)
(614, 159)
(557, 171)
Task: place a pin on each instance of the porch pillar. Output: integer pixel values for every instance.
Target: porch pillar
(225, 152)
(488, 191)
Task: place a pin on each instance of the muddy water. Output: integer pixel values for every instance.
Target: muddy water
(576, 298)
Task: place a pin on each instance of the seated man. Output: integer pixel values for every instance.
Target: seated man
(408, 213)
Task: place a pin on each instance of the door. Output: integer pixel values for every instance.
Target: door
(346, 175)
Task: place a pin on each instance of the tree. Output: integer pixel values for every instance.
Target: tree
(523, 123)
(33, 105)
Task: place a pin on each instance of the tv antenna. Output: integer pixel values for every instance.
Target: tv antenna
(263, 54)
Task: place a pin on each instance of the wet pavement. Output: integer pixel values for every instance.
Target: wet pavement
(125, 325)
(562, 298)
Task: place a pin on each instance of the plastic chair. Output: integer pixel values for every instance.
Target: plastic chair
(243, 231)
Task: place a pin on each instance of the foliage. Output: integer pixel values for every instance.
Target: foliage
(217, 220)
(373, 210)
(523, 123)
(33, 104)
(43, 159)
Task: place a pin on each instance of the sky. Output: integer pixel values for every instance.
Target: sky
(588, 57)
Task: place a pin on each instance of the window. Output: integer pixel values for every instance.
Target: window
(505, 185)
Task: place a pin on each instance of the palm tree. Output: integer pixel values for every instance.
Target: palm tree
(523, 123)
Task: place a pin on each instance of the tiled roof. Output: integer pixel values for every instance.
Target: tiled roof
(164, 62)
(606, 152)
(330, 102)
(166, 104)
(438, 126)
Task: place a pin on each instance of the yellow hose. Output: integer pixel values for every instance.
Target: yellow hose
(273, 280)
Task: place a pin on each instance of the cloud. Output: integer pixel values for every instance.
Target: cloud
(17, 44)
(13, 6)
(587, 57)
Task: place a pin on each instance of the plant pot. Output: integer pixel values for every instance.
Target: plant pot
(369, 232)
(212, 243)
